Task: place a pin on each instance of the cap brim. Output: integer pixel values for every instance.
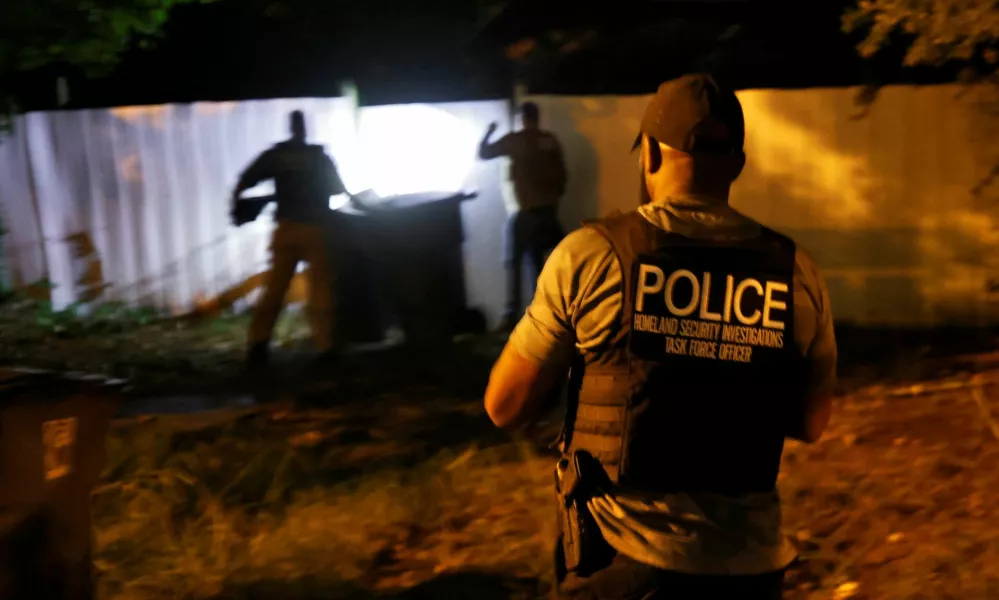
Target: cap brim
(638, 142)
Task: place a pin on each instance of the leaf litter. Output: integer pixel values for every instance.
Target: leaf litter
(898, 500)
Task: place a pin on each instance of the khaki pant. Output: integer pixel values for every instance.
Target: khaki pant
(292, 243)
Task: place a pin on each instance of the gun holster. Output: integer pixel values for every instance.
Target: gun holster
(577, 477)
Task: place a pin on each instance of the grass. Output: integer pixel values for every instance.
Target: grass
(156, 355)
(401, 488)
(899, 498)
(359, 501)
(897, 501)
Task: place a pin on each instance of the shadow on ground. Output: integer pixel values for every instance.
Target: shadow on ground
(866, 354)
(400, 407)
(468, 585)
(381, 412)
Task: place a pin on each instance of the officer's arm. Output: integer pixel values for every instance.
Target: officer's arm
(332, 177)
(818, 411)
(500, 147)
(520, 389)
(570, 307)
(809, 419)
(259, 170)
(563, 172)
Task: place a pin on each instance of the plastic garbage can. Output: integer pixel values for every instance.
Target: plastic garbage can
(420, 239)
(53, 430)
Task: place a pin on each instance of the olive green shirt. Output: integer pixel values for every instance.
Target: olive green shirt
(575, 308)
(537, 166)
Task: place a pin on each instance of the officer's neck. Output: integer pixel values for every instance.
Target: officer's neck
(671, 192)
(683, 177)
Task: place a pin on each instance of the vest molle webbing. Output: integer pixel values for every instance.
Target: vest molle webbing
(691, 391)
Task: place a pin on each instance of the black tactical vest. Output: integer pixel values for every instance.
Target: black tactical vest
(692, 391)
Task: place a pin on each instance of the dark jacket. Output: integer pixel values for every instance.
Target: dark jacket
(304, 179)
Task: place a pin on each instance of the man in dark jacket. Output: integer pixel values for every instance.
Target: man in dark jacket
(304, 179)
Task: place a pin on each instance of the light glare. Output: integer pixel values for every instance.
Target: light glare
(415, 148)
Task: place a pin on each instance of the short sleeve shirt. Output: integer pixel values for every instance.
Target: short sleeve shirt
(575, 307)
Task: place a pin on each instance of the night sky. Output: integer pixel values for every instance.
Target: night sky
(437, 50)
(242, 49)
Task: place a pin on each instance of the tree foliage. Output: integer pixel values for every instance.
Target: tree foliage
(87, 34)
(939, 30)
(90, 34)
(89, 37)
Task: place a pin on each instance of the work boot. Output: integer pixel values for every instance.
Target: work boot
(257, 357)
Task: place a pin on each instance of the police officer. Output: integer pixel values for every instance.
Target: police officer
(304, 179)
(538, 174)
(696, 340)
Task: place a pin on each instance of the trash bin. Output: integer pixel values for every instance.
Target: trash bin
(53, 429)
(361, 314)
(419, 248)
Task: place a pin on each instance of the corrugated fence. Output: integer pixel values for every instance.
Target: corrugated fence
(888, 201)
(138, 198)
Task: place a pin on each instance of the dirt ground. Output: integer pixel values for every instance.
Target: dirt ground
(395, 485)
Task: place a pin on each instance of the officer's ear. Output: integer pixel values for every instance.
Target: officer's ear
(652, 155)
(738, 164)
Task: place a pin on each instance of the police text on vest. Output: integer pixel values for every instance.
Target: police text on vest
(693, 319)
(652, 280)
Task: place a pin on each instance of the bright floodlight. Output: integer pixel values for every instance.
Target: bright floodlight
(415, 148)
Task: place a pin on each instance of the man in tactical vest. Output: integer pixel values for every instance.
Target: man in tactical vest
(537, 171)
(304, 179)
(696, 341)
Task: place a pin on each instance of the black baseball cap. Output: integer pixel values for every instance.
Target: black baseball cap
(692, 114)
